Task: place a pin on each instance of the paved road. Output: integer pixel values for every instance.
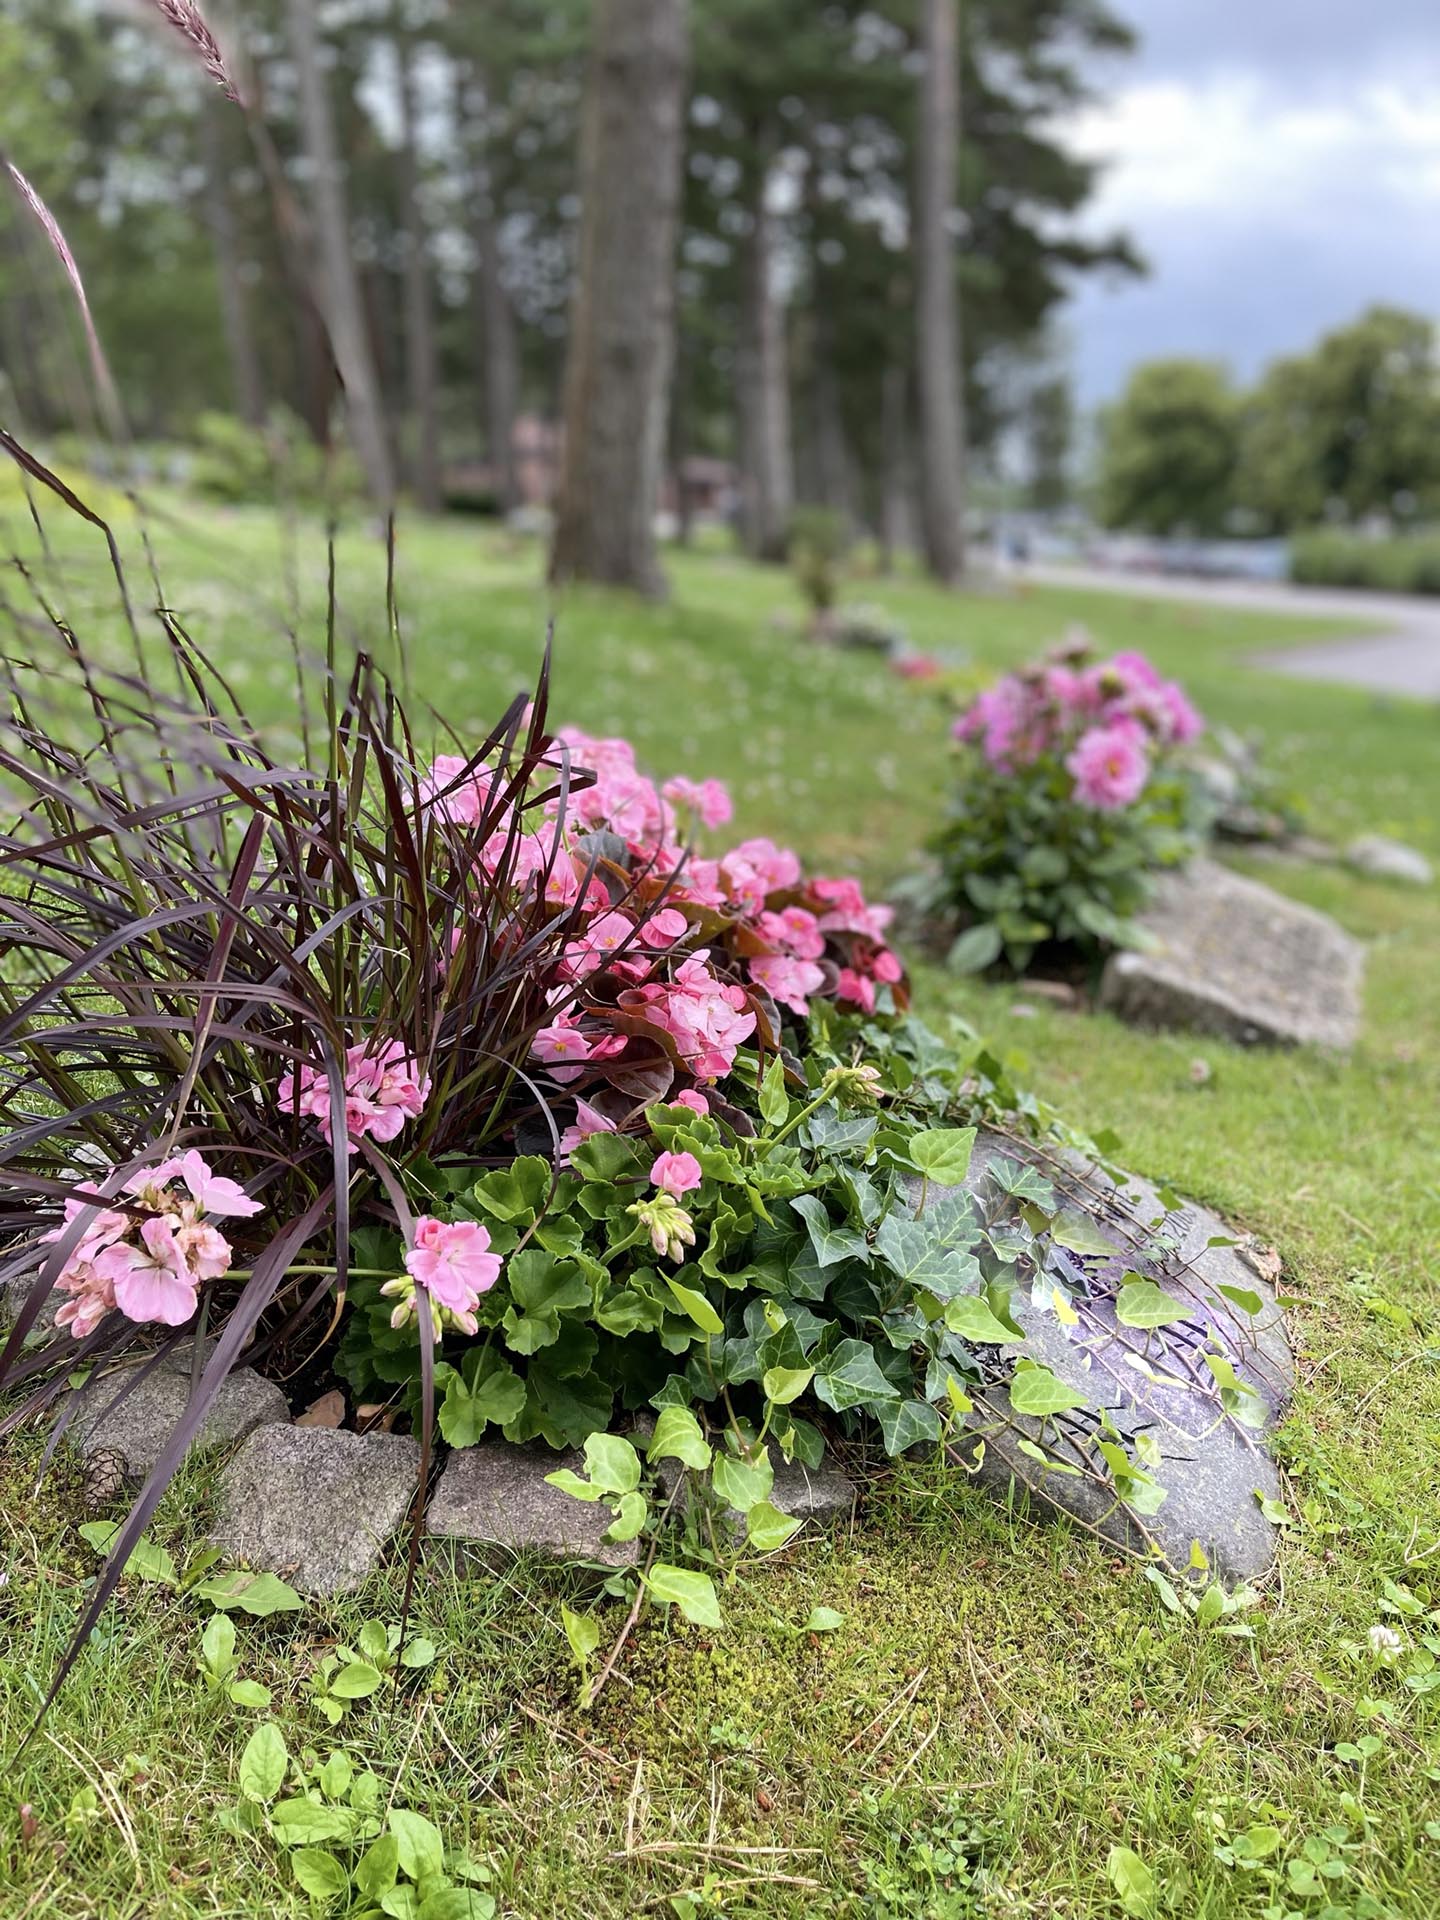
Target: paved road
(1397, 643)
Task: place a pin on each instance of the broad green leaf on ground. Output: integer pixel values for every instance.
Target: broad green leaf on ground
(1133, 1882)
(1080, 1234)
(1141, 1303)
(971, 1319)
(612, 1463)
(420, 1849)
(767, 1528)
(678, 1436)
(263, 1763)
(258, 1594)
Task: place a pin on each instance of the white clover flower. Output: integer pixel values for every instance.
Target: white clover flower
(1385, 1644)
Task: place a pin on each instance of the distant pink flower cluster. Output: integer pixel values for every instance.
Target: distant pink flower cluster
(150, 1259)
(1104, 721)
(383, 1089)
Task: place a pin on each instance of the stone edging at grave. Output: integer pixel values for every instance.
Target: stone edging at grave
(319, 1505)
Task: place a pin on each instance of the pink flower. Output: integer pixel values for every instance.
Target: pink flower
(151, 1281)
(383, 1089)
(757, 868)
(857, 988)
(1186, 723)
(791, 981)
(664, 928)
(588, 1122)
(847, 911)
(796, 931)
(690, 1097)
(207, 1252)
(676, 1173)
(463, 802)
(91, 1296)
(1109, 766)
(454, 1265)
(707, 1020)
(592, 950)
(211, 1191)
(708, 798)
(563, 1048)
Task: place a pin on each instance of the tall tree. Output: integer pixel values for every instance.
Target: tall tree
(421, 363)
(622, 322)
(494, 330)
(340, 287)
(762, 382)
(217, 117)
(1169, 450)
(937, 340)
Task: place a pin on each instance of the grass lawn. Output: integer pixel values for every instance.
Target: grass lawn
(1003, 1703)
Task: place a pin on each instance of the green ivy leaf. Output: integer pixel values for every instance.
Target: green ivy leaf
(784, 1384)
(631, 1513)
(678, 1436)
(849, 1376)
(831, 1243)
(742, 1483)
(969, 1318)
(1245, 1298)
(1141, 1303)
(263, 1763)
(907, 1423)
(694, 1593)
(568, 1481)
(933, 1253)
(767, 1528)
(774, 1101)
(581, 1631)
(1036, 1391)
(697, 1306)
(612, 1463)
(1080, 1234)
(943, 1154)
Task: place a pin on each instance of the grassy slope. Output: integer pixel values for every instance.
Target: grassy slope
(998, 1687)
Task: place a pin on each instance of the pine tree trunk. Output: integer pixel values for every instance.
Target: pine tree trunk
(894, 465)
(246, 381)
(622, 322)
(340, 287)
(762, 388)
(420, 357)
(832, 455)
(495, 333)
(942, 426)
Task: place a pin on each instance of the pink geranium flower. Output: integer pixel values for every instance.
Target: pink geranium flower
(1110, 766)
(676, 1173)
(454, 1265)
(151, 1281)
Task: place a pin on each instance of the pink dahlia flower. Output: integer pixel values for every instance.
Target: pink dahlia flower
(1109, 766)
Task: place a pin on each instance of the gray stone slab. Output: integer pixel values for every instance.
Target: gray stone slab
(821, 1494)
(316, 1505)
(130, 1414)
(1384, 859)
(1214, 1467)
(493, 1502)
(1235, 959)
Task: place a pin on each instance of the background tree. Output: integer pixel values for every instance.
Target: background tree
(942, 425)
(1350, 429)
(622, 323)
(1170, 449)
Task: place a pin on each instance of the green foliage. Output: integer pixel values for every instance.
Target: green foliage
(818, 540)
(1409, 563)
(238, 464)
(1170, 448)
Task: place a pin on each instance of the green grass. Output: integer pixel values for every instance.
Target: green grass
(1001, 1694)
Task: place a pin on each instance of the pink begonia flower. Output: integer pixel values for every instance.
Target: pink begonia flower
(857, 988)
(690, 1097)
(846, 910)
(383, 1089)
(676, 1173)
(151, 1281)
(707, 1020)
(454, 1264)
(1109, 766)
(756, 869)
(592, 949)
(464, 803)
(796, 931)
(563, 1048)
(588, 1122)
(789, 980)
(664, 927)
(710, 799)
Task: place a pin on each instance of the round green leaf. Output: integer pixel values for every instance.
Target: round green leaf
(420, 1850)
(262, 1764)
(679, 1436)
(971, 1319)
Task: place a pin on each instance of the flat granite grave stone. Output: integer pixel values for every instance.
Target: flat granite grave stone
(1235, 959)
(316, 1505)
(1212, 1460)
(130, 1413)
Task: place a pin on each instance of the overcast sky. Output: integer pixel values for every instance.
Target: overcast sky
(1277, 162)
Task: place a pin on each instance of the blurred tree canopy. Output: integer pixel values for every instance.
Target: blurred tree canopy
(457, 127)
(1170, 449)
